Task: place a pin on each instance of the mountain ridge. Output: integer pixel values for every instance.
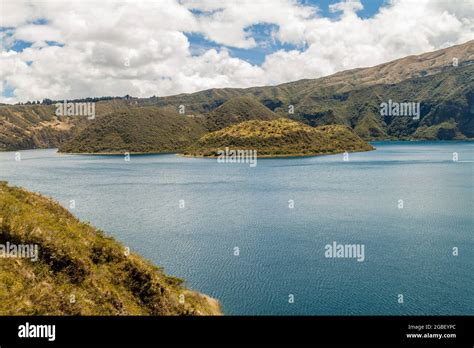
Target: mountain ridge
(325, 100)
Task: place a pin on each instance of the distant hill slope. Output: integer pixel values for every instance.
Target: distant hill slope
(146, 129)
(237, 110)
(79, 270)
(445, 98)
(281, 137)
(37, 126)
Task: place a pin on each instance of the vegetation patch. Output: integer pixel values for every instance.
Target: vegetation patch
(281, 137)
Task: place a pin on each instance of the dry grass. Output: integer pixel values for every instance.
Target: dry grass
(77, 259)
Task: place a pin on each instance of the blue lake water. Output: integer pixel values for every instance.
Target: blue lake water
(408, 251)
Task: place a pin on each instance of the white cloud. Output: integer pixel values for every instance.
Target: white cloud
(34, 33)
(227, 20)
(15, 13)
(140, 48)
(349, 7)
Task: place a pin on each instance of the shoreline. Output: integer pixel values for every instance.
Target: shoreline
(469, 140)
(112, 153)
(297, 155)
(200, 156)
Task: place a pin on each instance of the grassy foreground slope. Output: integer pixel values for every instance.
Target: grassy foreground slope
(281, 137)
(77, 261)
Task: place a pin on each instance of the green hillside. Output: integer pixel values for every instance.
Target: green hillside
(446, 112)
(138, 130)
(237, 110)
(34, 126)
(79, 270)
(445, 97)
(281, 137)
(37, 126)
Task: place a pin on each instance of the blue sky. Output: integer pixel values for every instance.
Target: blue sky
(371, 7)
